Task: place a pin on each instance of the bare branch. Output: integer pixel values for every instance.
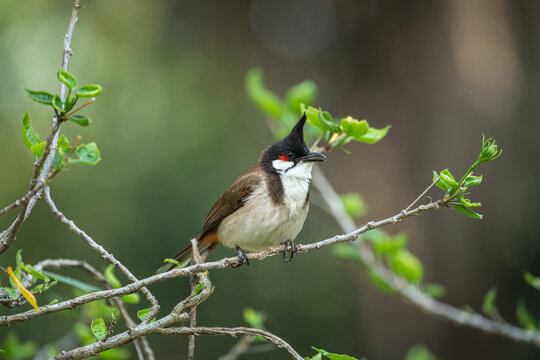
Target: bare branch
(101, 250)
(193, 313)
(195, 268)
(234, 332)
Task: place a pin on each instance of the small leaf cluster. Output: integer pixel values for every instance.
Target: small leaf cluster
(524, 317)
(39, 280)
(63, 107)
(66, 154)
(338, 133)
(455, 191)
(297, 100)
(98, 318)
(88, 335)
(391, 250)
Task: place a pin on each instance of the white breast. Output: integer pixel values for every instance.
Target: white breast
(261, 223)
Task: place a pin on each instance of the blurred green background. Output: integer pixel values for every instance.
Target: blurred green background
(175, 128)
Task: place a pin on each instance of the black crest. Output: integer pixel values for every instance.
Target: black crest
(290, 144)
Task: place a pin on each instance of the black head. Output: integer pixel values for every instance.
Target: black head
(291, 150)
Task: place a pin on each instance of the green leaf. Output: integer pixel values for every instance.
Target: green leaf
(80, 120)
(436, 291)
(85, 154)
(374, 135)
(389, 244)
(312, 115)
(198, 288)
(254, 318)
(439, 182)
(141, 314)
(531, 280)
(18, 258)
(467, 203)
(58, 104)
(524, 317)
(333, 356)
(98, 328)
(419, 352)
(89, 90)
(111, 278)
(354, 128)
(173, 261)
(318, 356)
(303, 93)
(38, 149)
(131, 298)
(354, 204)
(67, 79)
(346, 251)
(41, 97)
(30, 137)
(45, 286)
(328, 120)
(407, 265)
(448, 179)
(466, 211)
(472, 180)
(63, 143)
(488, 305)
(72, 282)
(264, 99)
(29, 269)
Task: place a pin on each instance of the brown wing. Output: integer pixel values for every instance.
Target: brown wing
(231, 200)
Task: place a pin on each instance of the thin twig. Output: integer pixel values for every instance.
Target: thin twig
(424, 193)
(193, 313)
(101, 250)
(88, 102)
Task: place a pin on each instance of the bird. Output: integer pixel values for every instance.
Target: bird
(265, 206)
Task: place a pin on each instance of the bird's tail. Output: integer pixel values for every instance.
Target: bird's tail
(184, 256)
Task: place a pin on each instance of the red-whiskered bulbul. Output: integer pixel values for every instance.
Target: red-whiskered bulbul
(266, 206)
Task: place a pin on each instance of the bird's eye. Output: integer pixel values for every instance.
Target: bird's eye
(290, 155)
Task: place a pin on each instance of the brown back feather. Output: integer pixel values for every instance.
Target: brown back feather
(233, 199)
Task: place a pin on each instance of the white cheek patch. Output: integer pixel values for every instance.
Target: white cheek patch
(302, 170)
(282, 166)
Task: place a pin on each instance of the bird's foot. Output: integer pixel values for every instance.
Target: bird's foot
(242, 258)
(291, 248)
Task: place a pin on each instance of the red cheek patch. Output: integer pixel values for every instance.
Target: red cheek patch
(283, 157)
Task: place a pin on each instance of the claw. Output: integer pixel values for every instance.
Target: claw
(242, 258)
(290, 247)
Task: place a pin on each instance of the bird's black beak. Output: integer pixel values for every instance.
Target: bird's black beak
(313, 157)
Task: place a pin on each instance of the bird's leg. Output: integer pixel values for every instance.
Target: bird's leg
(290, 247)
(242, 258)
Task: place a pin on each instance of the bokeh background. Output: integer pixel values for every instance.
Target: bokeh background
(175, 127)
